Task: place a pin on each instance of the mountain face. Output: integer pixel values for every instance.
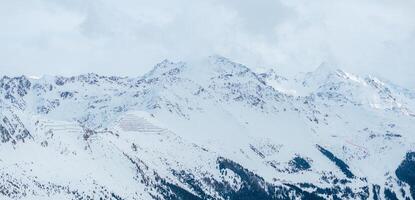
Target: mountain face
(212, 129)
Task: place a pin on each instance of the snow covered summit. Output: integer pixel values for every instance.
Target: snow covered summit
(212, 129)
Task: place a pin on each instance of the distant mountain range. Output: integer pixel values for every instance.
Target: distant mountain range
(212, 129)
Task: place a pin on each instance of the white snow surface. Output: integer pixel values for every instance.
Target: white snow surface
(89, 134)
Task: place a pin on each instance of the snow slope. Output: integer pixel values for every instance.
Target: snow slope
(211, 129)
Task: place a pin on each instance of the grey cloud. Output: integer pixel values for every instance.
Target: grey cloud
(128, 37)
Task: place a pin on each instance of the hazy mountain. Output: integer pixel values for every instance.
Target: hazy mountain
(212, 129)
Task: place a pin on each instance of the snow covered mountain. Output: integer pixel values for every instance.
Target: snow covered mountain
(212, 129)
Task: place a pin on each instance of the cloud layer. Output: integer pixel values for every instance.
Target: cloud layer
(128, 37)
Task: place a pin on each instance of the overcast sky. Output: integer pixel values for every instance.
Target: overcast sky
(127, 37)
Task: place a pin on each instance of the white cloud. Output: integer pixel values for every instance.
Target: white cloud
(130, 36)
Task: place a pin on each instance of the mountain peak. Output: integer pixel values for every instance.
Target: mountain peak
(19, 84)
(326, 73)
(224, 64)
(165, 70)
(207, 130)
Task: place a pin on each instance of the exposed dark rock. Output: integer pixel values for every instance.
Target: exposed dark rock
(299, 164)
(376, 192)
(338, 162)
(66, 95)
(406, 171)
(255, 187)
(390, 195)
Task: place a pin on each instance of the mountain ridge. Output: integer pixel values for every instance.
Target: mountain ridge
(212, 129)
